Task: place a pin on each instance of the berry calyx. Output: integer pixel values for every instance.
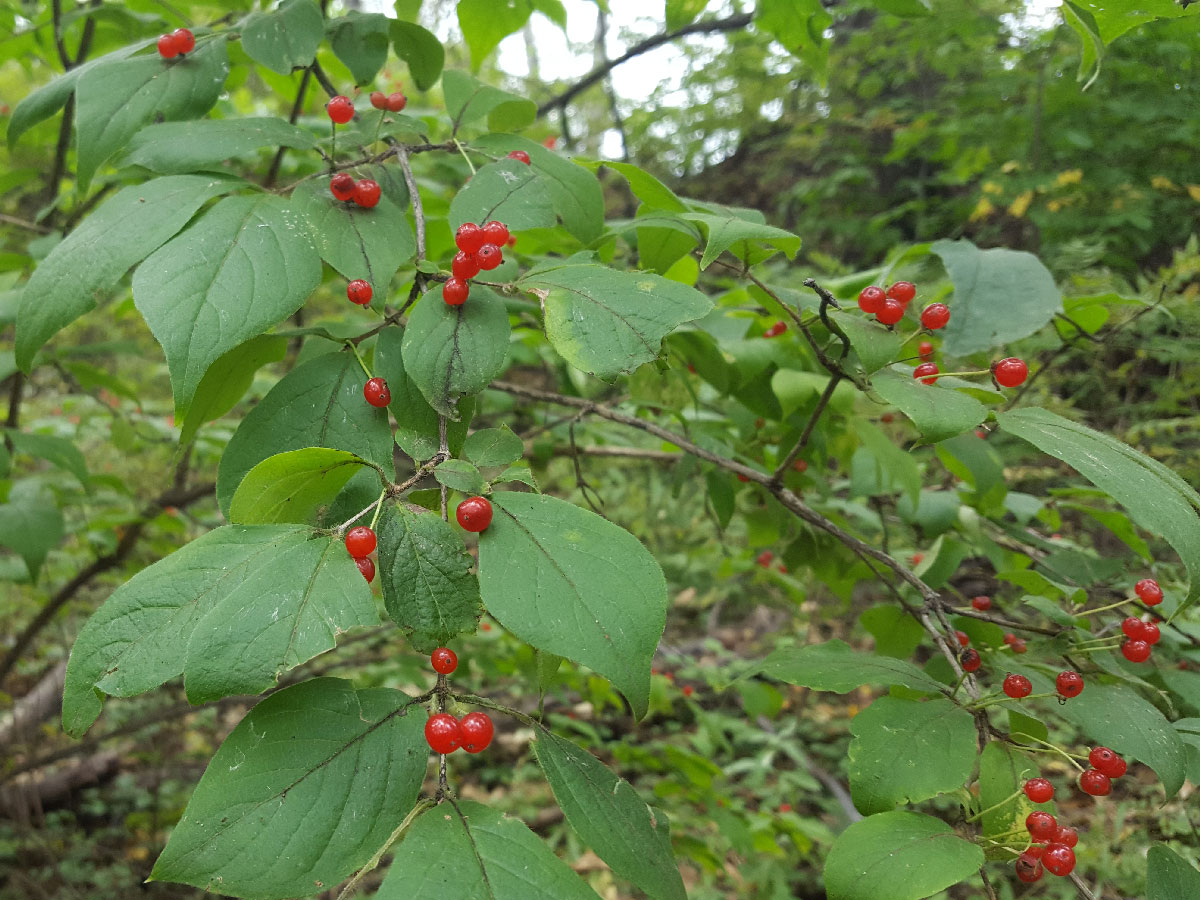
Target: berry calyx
(1059, 859)
(1010, 372)
(1017, 686)
(1108, 762)
(378, 99)
(870, 299)
(443, 733)
(935, 316)
(477, 731)
(1041, 825)
(970, 659)
(474, 514)
(185, 41)
(168, 46)
(455, 292)
(982, 602)
(926, 373)
(376, 392)
(341, 186)
(925, 351)
(489, 256)
(1149, 591)
(1150, 633)
(444, 660)
(1029, 868)
(464, 266)
(1135, 651)
(360, 292)
(396, 101)
(1066, 835)
(469, 237)
(1134, 628)
(1039, 790)
(520, 156)
(360, 542)
(904, 291)
(495, 233)
(1069, 684)
(1095, 783)
(890, 311)
(963, 640)
(367, 193)
(367, 566)
(340, 109)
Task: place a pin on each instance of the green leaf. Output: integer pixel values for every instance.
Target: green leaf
(833, 666)
(465, 851)
(485, 23)
(227, 380)
(683, 12)
(89, 262)
(896, 633)
(57, 451)
(799, 26)
(1000, 296)
(421, 50)
(172, 147)
(450, 351)
(508, 191)
(728, 229)
(468, 99)
(317, 404)
(286, 38)
(645, 186)
(416, 420)
(146, 632)
(31, 524)
(494, 447)
(572, 583)
(905, 9)
(905, 751)
(1001, 774)
(1156, 498)
(606, 322)
(243, 266)
(1169, 876)
(1091, 51)
(249, 830)
(1114, 19)
(425, 570)
(1117, 716)
(893, 465)
(609, 817)
(898, 856)
(360, 41)
(370, 244)
(521, 474)
(875, 345)
(574, 191)
(460, 475)
(117, 99)
(292, 486)
(939, 413)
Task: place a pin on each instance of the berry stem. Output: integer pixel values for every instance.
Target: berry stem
(1097, 645)
(983, 812)
(911, 336)
(470, 165)
(473, 700)
(373, 862)
(965, 374)
(354, 349)
(993, 700)
(1102, 608)
(1055, 749)
(378, 507)
(332, 140)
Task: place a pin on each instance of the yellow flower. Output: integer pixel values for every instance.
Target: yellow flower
(1020, 206)
(1162, 183)
(990, 187)
(1071, 176)
(982, 210)
(1194, 192)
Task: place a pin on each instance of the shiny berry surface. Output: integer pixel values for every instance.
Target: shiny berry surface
(1066, 835)
(1059, 860)
(168, 47)
(378, 99)
(340, 109)
(1095, 783)
(1149, 591)
(474, 514)
(520, 156)
(341, 186)
(1039, 790)
(982, 602)
(464, 266)
(443, 733)
(360, 541)
(455, 292)
(1150, 633)
(469, 237)
(970, 660)
(963, 640)
(904, 291)
(1107, 761)
(890, 311)
(376, 393)
(367, 193)
(185, 41)
(926, 373)
(495, 233)
(477, 731)
(925, 350)
(1133, 627)
(1041, 825)
(1069, 684)
(1136, 651)
(1017, 686)
(870, 299)
(396, 101)
(489, 256)
(367, 566)
(1010, 372)
(444, 660)
(935, 316)
(1018, 646)
(360, 292)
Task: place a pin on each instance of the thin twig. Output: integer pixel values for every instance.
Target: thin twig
(826, 396)
(414, 195)
(297, 106)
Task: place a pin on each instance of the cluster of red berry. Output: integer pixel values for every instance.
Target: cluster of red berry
(364, 193)
(444, 733)
(178, 43)
(1141, 634)
(480, 248)
(393, 102)
(360, 544)
(775, 330)
(889, 306)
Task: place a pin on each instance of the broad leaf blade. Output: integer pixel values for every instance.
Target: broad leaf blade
(485, 23)
(227, 380)
(360, 41)
(508, 191)
(833, 666)
(421, 50)
(172, 147)
(726, 230)
(292, 486)
(939, 413)
(494, 447)
(1169, 876)
(469, 99)
(57, 451)
(31, 524)
(285, 38)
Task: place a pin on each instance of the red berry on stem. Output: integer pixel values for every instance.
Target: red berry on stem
(935, 316)
(904, 291)
(1095, 783)
(520, 156)
(340, 109)
(970, 660)
(477, 731)
(1029, 868)
(1134, 628)
(495, 233)
(367, 193)
(379, 99)
(396, 101)
(1010, 372)
(1059, 860)
(443, 733)
(925, 350)
(341, 186)
(1039, 790)
(1035, 850)
(185, 41)
(376, 392)
(1009, 637)
(469, 237)
(1107, 761)
(1136, 651)
(1017, 686)
(963, 640)
(444, 660)
(982, 602)
(800, 465)
(489, 256)
(455, 292)
(1066, 835)
(474, 514)
(1149, 591)
(764, 558)
(890, 311)
(1150, 633)
(360, 292)
(870, 299)
(926, 373)
(367, 567)
(168, 46)
(1018, 646)
(464, 266)
(1069, 684)
(360, 541)
(1041, 825)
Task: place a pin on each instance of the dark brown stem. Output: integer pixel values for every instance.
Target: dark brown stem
(297, 107)
(16, 392)
(59, 45)
(823, 402)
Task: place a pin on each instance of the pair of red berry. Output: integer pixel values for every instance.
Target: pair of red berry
(1053, 851)
(1016, 644)
(479, 249)
(445, 733)
(775, 330)
(887, 306)
(179, 42)
(393, 102)
(364, 193)
(1106, 765)
(360, 544)
(474, 514)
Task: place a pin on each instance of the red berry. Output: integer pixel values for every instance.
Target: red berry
(1018, 646)
(340, 109)
(495, 233)
(1134, 628)
(935, 316)
(1150, 633)
(477, 731)
(469, 237)
(982, 602)
(785, 807)
(360, 541)
(1035, 851)
(1009, 638)
(360, 292)
(1149, 591)
(688, 690)
(963, 640)
(185, 41)
(455, 292)
(367, 193)
(444, 660)
(396, 101)
(1107, 761)
(1010, 372)
(890, 312)
(870, 299)
(925, 350)
(742, 477)
(464, 266)
(1069, 684)
(1041, 825)
(379, 99)
(764, 558)
(474, 514)
(904, 291)
(443, 733)
(341, 186)
(377, 393)
(800, 465)
(1135, 651)
(1095, 783)
(168, 47)
(926, 372)
(970, 660)
(1029, 868)
(1017, 686)
(1066, 835)
(367, 567)
(917, 558)
(489, 256)
(520, 155)
(1059, 859)
(1039, 790)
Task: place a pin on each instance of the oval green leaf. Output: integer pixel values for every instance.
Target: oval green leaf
(292, 486)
